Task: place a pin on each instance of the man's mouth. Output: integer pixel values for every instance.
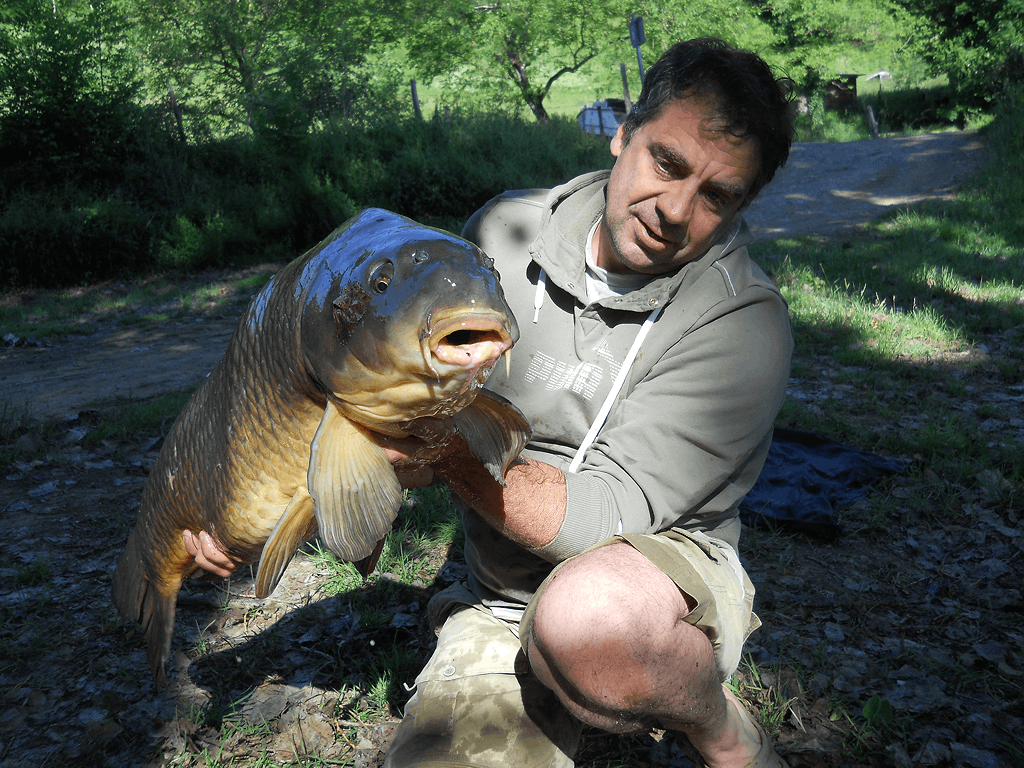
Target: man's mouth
(656, 241)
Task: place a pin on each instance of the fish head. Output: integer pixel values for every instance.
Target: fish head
(402, 321)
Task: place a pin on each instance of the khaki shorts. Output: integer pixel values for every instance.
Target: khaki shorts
(476, 703)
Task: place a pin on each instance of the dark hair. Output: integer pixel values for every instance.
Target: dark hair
(747, 97)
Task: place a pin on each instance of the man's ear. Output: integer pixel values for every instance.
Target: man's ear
(618, 141)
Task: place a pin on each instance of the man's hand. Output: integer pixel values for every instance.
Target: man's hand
(411, 474)
(209, 554)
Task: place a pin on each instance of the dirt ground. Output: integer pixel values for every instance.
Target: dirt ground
(260, 680)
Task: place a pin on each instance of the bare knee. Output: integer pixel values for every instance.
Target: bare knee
(612, 591)
(607, 638)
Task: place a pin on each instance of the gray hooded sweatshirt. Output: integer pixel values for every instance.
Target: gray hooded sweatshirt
(688, 432)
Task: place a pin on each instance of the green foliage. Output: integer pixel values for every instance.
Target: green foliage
(910, 109)
(71, 234)
(275, 67)
(821, 125)
(440, 171)
(817, 37)
(66, 86)
(738, 22)
(512, 51)
(252, 199)
(286, 117)
(977, 44)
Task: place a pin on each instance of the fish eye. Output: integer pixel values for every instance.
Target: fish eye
(381, 276)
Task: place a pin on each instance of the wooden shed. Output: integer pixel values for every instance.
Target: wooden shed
(841, 93)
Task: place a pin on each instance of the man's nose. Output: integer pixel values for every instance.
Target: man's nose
(676, 203)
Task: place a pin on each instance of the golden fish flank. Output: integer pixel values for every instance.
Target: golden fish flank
(385, 328)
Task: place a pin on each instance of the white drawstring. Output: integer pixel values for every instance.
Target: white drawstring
(538, 297)
(606, 407)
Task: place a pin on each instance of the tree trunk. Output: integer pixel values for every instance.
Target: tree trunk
(533, 97)
(536, 104)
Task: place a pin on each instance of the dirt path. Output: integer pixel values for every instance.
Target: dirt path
(112, 366)
(825, 189)
(828, 189)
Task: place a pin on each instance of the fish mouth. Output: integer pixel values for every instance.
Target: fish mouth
(466, 344)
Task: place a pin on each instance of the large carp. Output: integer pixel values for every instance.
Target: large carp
(387, 328)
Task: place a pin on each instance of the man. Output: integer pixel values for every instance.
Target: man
(604, 584)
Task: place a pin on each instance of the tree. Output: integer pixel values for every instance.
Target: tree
(517, 46)
(737, 22)
(270, 64)
(66, 80)
(977, 44)
(817, 35)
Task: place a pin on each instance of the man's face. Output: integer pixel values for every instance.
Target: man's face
(674, 189)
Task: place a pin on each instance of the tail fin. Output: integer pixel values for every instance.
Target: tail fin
(139, 599)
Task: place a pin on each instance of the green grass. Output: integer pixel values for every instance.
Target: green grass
(50, 316)
(117, 425)
(908, 306)
(911, 330)
(426, 530)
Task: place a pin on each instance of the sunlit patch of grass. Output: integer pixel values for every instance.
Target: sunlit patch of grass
(414, 551)
(216, 295)
(51, 315)
(858, 325)
(341, 576)
(910, 335)
(151, 418)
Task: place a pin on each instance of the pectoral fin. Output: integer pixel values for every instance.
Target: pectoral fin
(296, 526)
(495, 431)
(355, 491)
(367, 564)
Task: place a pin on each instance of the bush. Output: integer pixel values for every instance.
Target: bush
(440, 171)
(977, 44)
(242, 200)
(65, 237)
(915, 109)
(67, 88)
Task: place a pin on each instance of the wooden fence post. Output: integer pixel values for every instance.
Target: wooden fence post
(873, 126)
(415, 101)
(625, 88)
(177, 113)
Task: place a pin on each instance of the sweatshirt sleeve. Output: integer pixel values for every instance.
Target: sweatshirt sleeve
(688, 441)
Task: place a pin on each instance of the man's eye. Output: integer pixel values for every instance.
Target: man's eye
(717, 200)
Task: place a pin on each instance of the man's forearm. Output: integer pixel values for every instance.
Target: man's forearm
(529, 509)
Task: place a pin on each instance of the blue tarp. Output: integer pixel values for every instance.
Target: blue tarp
(807, 478)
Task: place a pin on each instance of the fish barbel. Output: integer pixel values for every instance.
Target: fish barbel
(386, 329)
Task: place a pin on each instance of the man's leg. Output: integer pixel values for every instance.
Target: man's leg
(608, 635)
(475, 703)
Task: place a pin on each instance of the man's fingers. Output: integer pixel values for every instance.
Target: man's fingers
(414, 477)
(191, 542)
(399, 449)
(208, 553)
